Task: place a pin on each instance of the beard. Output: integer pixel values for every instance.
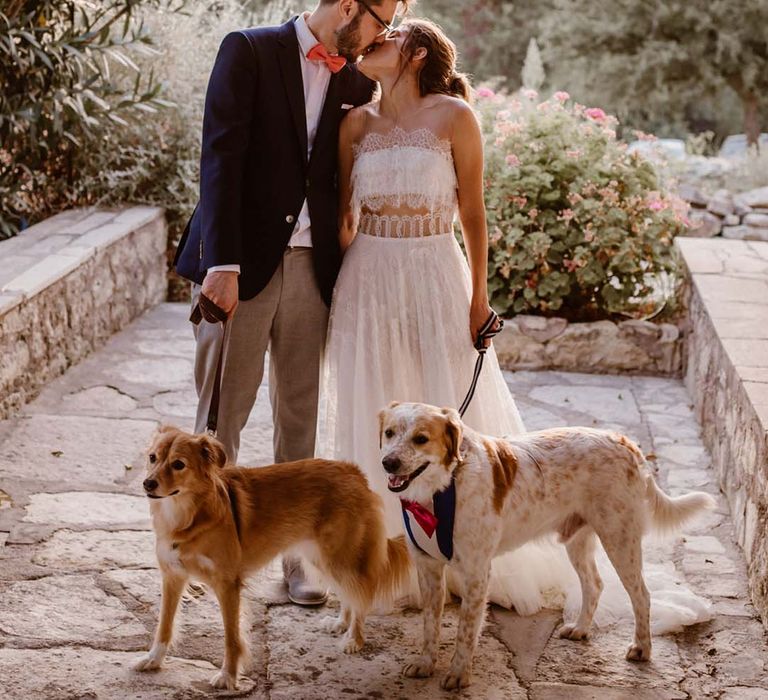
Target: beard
(348, 40)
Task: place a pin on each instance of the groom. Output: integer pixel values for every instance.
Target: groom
(263, 240)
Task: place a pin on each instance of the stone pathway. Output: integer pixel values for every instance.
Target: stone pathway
(79, 589)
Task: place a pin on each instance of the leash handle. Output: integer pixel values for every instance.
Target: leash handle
(486, 332)
(213, 313)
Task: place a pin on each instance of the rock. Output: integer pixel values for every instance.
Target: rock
(517, 350)
(745, 233)
(76, 450)
(755, 198)
(559, 691)
(704, 224)
(732, 220)
(525, 637)
(740, 207)
(86, 673)
(756, 220)
(540, 328)
(65, 609)
(97, 549)
(311, 665)
(693, 195)
(721, 203)
(87, 508)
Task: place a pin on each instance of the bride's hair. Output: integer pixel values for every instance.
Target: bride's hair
(438, 74)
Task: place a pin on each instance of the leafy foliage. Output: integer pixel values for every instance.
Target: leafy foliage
(69, 84)
(578, 227)
(660, 59)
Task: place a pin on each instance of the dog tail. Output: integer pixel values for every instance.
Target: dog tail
(671, 513)
(396, 570)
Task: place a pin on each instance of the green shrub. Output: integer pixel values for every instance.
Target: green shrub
(69, 84)
(577, 226)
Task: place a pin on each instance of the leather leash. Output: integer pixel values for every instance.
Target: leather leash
(487, 332)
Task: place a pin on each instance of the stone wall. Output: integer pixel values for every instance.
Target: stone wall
(627, 347)
(742, 216)
(66, 285)
(727, 378)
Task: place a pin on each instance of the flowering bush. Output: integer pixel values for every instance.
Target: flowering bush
(577, 226)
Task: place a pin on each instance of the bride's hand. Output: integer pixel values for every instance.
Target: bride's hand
(479, 312)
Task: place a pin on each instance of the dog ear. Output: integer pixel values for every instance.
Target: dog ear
(382, 414)
(212, 451)
(453, 434)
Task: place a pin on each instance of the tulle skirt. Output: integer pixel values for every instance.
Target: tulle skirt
(399, 331)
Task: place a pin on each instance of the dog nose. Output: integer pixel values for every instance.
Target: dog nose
(150, 484)
(391, 464)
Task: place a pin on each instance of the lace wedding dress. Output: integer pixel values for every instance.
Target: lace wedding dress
(399, 331)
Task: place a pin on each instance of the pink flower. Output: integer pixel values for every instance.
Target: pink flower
(484, 92)
(576, 153)
(529, 94)
(561, 96)
(533, 213)
(596, 114)
(589, 236)
(566, 215)
(571, 265)
(512, 160)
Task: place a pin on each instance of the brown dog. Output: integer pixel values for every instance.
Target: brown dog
(219, 523)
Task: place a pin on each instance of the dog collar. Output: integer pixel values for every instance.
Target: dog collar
(432, 532)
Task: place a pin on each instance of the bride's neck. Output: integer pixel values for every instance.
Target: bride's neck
(399, 97)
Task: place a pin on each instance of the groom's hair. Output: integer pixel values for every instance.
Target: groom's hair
(403, 5)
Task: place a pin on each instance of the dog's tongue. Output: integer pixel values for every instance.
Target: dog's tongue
(395, 480)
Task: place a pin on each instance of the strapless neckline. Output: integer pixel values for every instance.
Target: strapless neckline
(398, 137)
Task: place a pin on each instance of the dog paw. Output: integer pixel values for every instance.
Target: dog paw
(334, 625)
(152, 661)
(573, 631)
(419, 667)
(351, 645)
(455, 680)
(639, 652)
(224, 680)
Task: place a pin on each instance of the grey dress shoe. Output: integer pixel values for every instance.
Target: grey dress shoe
(300, 591)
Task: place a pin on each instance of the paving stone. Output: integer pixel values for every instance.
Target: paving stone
(87, 508)
(744, 693)
(600, 661)
(100, 400)
(97, 549)
(525, 637)
(311, 666)
(601, 403)
(166, 373)
(75, 450)
(91, 674)
(69, 609)
(181, 404)
(561, 691)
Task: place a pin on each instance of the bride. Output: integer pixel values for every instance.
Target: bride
(407, 305)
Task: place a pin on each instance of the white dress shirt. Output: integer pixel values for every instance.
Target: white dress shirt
(316, 77)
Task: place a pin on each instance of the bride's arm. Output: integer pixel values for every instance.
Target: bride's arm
(349, 132)
(467, 143)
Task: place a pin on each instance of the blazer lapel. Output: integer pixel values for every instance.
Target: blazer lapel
(331, 107)
(293, 82)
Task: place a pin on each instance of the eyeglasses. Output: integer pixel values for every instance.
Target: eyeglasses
(388, 28)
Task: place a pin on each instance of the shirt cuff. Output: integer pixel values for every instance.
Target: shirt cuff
(224, 268)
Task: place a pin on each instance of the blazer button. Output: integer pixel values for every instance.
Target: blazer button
(290, 219)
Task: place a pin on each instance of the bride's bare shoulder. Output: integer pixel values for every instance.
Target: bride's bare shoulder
(354, 124)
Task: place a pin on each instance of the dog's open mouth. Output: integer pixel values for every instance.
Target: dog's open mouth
(400, 482)
(153, 495)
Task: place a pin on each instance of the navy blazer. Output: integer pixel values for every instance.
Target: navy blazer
(254, 170)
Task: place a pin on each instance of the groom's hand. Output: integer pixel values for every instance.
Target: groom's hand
(222, 289)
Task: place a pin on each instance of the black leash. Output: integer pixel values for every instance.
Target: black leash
(213, 313)
(487, 332)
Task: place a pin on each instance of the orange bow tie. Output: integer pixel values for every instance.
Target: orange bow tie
(319, 53)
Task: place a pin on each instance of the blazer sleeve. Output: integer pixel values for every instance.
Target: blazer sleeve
(229, 105)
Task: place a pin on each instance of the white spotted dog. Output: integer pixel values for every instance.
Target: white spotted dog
(580, 483)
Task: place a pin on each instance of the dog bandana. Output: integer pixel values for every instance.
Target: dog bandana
(432, 532)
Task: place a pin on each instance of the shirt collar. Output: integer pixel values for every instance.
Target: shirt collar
(307, 39)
